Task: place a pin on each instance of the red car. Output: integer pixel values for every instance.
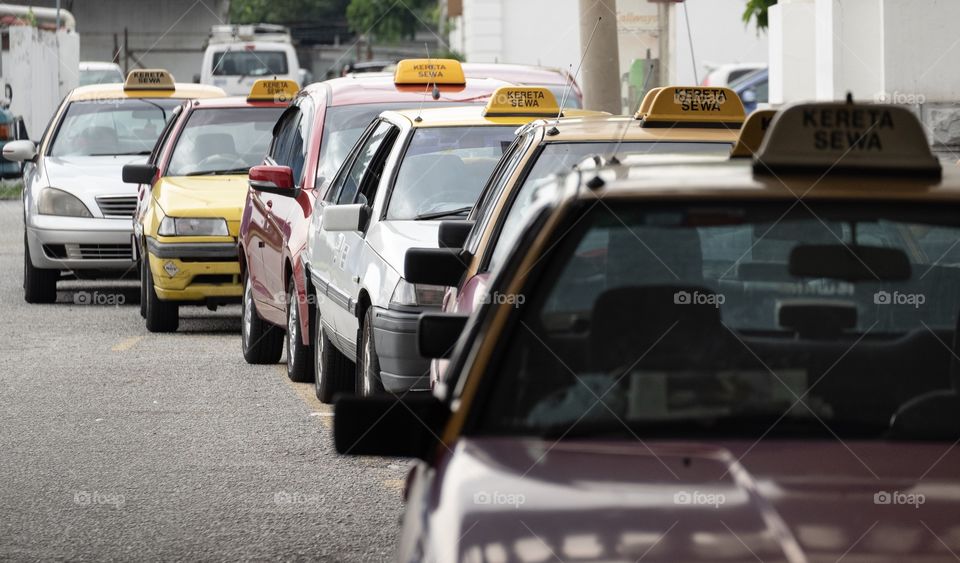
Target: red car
(310, 141)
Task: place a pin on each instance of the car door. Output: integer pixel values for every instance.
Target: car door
(359, 184)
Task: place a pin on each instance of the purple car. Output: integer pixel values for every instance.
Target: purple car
(753, 360)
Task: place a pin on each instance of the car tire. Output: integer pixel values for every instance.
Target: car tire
(39, 285)
(299, 355)
(333, 372)
(143, 291)
(368, 364)
(160, 316)
(262, 342)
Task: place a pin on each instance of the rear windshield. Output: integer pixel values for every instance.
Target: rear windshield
(223, 141)
(249, 63)
(738, 320)
(112, 127)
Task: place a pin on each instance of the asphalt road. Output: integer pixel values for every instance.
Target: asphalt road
(119, 444)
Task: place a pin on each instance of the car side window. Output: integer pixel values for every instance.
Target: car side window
(283, 140)
(164, 135)
(340, 179)
(369, 150)
(301, 140)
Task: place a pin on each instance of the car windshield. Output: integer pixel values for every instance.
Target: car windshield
(100, 76)
(739, 320)
(342, 127)
(444, 169)
(112, 127)
(249, 63)
(223, 140)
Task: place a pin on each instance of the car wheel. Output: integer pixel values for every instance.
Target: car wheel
(333, 372)
(262, 342)
(368, 366)
(299, 360)
(39, 285)
(160, 316)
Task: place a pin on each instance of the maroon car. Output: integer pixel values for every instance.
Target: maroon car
(702, 361)
(310, 141)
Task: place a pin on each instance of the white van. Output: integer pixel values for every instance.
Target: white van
(237, 55)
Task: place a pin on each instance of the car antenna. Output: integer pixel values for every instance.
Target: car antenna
(563, 99)
(693, 58)
(626, 128)
(436, 89)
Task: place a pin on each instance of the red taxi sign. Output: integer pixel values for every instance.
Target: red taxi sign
(429, 71)
(267, 90)
(149, 79)
(515, 101)
(844, 137)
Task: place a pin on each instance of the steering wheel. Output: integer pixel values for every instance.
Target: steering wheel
(221, 162)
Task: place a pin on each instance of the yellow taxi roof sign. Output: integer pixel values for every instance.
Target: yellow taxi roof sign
(429, 71)
(847, 137)
(647, 102)
(516, 101)
(149, 79)
(273, 90)
(693, 106)
(752, 133)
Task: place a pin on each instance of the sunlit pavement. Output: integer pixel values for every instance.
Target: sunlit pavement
(116, 443)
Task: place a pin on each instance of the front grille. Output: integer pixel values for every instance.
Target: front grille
(99, 252)
(55, 251)
(117, 206)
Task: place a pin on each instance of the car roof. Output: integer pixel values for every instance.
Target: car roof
(520, 74)
(98, 65)
(116, 91)
(616, 127)
(469, 115)
(379, 87)
(236, 102)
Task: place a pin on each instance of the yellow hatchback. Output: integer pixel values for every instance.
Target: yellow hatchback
(192, 195)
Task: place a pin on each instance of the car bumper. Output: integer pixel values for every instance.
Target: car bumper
(79, 243)
(402, 368)
(200, 272)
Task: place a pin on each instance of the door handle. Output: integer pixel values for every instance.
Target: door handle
(270, 203)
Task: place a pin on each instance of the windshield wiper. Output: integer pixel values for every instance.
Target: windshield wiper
(219, 172)
(135, 153)
(442, 214)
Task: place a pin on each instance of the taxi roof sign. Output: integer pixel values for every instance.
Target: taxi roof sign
(149, 79)
(515, 101)
(273, 90)
(647, 102)
(846, 137)
(752, 133)
(693, 106)
(429, 71)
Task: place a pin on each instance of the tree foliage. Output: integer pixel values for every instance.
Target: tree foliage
(389, 20)
(286, 11)
(757, 10)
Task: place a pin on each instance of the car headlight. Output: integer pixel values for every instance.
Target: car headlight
(58, 202)
(193, 227)
(417, 295)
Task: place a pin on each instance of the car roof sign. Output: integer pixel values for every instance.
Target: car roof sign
(149, 79)
(429, 71)
(752, 133)
(647, 101)
(693, 106)
(847, 137)
(267, 90)
(514, 101)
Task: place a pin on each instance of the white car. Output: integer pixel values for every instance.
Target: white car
(237, 56)
(409, 170)
(725, 74)
(77, 210)
(99, 72)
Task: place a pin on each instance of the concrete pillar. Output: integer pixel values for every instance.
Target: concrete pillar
(793, 51)
(600, 73)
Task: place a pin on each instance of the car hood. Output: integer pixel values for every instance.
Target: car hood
(202, 196)
(91, 175)
(391, 239)
(738, 501)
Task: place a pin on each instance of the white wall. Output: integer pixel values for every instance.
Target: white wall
(793, 51)
(719, 36)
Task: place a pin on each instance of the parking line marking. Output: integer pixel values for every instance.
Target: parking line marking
(125, 345)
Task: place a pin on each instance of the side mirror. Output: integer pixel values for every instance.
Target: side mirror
(378, 426)
(139, 173)
(350, 218)
(453, 234)
(433, 266)
(196, 79)
(437, 333)
(273, 180)
(18, 151)
(749, 96)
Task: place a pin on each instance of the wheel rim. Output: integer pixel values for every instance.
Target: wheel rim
(247, 313)
(292, 326)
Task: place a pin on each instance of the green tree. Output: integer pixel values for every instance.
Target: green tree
(286, 11)
(757, 10)
(390, 20)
